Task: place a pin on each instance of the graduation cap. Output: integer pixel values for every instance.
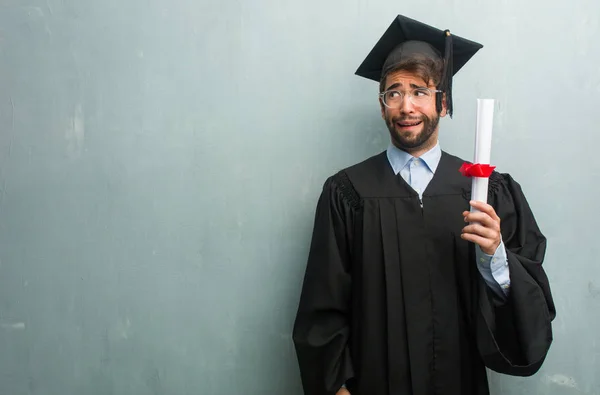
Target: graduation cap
(407, 37)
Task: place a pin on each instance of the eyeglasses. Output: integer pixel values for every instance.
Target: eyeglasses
(419, 97)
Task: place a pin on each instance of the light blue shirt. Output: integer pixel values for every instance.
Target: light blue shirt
(418, 172)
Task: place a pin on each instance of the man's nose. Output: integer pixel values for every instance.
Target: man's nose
(407, 107)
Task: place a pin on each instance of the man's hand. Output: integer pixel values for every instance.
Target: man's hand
(484, 227)
(343, 391)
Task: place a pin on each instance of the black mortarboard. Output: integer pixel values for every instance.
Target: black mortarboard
(406, 37)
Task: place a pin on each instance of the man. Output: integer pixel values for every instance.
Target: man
(407, 290)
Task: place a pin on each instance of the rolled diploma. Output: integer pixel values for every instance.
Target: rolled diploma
(483, 146)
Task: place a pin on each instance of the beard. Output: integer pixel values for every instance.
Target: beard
(409, 141)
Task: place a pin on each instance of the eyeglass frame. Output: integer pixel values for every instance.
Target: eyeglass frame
(382, 94)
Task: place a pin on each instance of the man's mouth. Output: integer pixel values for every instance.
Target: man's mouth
(408, 124)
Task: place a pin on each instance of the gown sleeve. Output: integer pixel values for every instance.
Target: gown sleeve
(321, 328)
(514, 335)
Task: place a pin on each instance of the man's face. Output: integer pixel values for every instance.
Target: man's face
(412, 127)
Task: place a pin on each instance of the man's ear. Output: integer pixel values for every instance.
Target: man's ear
(444, 111)
(382, 108)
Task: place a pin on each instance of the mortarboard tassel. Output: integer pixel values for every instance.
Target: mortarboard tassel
(447, 75)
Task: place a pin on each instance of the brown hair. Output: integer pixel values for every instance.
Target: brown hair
(426, 68)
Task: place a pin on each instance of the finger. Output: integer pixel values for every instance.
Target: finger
(483, 219)
(482, 242)
(484, 207)
(481, 206)
(482, 231)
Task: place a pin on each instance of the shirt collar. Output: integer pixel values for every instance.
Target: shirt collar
(398, 158)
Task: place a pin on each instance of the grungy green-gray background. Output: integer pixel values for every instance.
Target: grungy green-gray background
(160, 163)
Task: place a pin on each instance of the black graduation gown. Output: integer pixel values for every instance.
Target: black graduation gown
(392, 302)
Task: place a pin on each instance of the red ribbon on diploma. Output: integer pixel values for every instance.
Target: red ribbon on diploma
(476, 170)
